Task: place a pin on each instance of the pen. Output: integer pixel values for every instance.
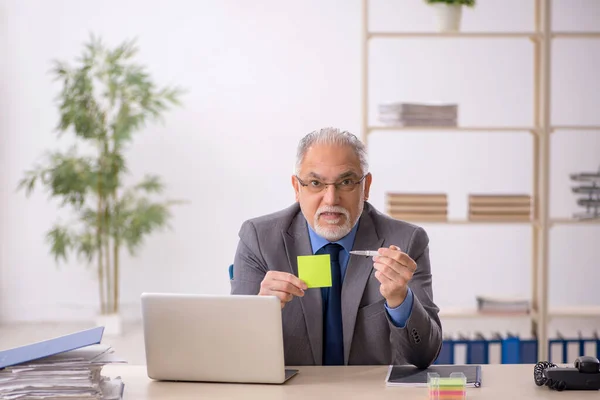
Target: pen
(368, 253)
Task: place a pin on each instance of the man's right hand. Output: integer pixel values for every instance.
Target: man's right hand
(283, 285)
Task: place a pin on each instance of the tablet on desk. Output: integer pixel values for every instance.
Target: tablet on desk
(408, 375)
(214, 338)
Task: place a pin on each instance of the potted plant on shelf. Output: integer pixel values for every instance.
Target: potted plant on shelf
(449, 13)
(104, 100)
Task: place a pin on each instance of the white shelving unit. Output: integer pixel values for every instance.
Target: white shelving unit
(541, 132)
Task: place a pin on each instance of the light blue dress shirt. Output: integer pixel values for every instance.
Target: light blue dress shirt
(398, 315)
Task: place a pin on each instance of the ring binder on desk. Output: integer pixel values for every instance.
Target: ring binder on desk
(50, 347)
(68, 366)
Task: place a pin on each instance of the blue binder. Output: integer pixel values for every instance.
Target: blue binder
(519, 351)
(513, 350)
(478, 350)
(564, 344)
(446, 355)
(50, 347)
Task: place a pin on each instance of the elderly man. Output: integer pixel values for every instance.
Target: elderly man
(379, 310)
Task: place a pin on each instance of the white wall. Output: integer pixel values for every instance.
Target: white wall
(262, 74)
(3, 146)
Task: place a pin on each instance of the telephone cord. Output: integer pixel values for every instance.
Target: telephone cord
(540, 379)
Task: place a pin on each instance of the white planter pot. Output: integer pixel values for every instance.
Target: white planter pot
(112, 323)
(448, 16)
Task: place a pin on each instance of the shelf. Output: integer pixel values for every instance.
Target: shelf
(576, 128)
(575, 312)
(507, 35)
(500, 35)
(571, 221)
(529, 129)
(556, 312)
(473, 313)
(453, 128)
(542, 38)
(576, 35)
(467, 222)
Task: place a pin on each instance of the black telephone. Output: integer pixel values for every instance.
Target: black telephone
(585, 375)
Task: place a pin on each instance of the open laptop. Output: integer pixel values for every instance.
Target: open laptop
(214, 338)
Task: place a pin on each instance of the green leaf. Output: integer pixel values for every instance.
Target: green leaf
(151, 184)
(28, 182)
(141, 218)
(89, 217)
(69, 177)
(125, 123)
(109, 169)
(60, 242)
(172, 94)
(87, 246)
(125, 51)
(61, 69)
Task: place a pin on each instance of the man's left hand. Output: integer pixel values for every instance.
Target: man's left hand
(394, 269)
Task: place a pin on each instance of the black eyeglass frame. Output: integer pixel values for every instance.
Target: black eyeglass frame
(336, 184)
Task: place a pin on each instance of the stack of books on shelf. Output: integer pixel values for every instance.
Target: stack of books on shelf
(418, 114)
(507, 207)
(418, 206)
(493, 305)
(67, 367)
(589, 190)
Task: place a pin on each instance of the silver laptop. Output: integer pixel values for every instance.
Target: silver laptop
(214, 338)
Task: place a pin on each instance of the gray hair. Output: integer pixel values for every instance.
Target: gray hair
(332, 136)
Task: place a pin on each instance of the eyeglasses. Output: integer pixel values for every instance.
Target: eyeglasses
(344, 185)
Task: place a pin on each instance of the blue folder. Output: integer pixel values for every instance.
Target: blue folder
(50, 347)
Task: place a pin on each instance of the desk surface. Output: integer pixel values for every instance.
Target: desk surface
(499, 382)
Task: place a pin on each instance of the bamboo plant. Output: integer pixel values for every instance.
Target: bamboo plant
(105, 98)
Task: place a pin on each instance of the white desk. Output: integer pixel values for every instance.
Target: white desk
(499, 382)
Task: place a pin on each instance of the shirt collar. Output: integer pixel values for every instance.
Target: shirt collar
(317, 241)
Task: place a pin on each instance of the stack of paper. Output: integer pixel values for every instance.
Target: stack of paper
(589, 190)
(486, 304)
(507, 207)
(418, 206)
(418, 114)
(72, 374)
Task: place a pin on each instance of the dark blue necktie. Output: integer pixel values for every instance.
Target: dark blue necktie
(333, 337)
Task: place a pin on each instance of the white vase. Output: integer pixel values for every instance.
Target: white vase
(112, 323)
(448, 16)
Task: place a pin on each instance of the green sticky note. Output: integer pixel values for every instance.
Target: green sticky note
(315, 271)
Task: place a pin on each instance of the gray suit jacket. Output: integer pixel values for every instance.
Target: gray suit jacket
(273, 242)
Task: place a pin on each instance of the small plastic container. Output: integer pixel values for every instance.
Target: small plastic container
(450, 388)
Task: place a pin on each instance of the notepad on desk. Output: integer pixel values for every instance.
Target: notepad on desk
(408, 375)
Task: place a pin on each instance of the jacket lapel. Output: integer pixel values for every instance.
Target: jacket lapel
(297, 243)
(357, 274)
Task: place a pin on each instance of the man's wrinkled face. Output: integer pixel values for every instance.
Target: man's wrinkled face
(331, 189)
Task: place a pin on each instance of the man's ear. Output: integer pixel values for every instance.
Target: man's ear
(368, 180)
(296, 187)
